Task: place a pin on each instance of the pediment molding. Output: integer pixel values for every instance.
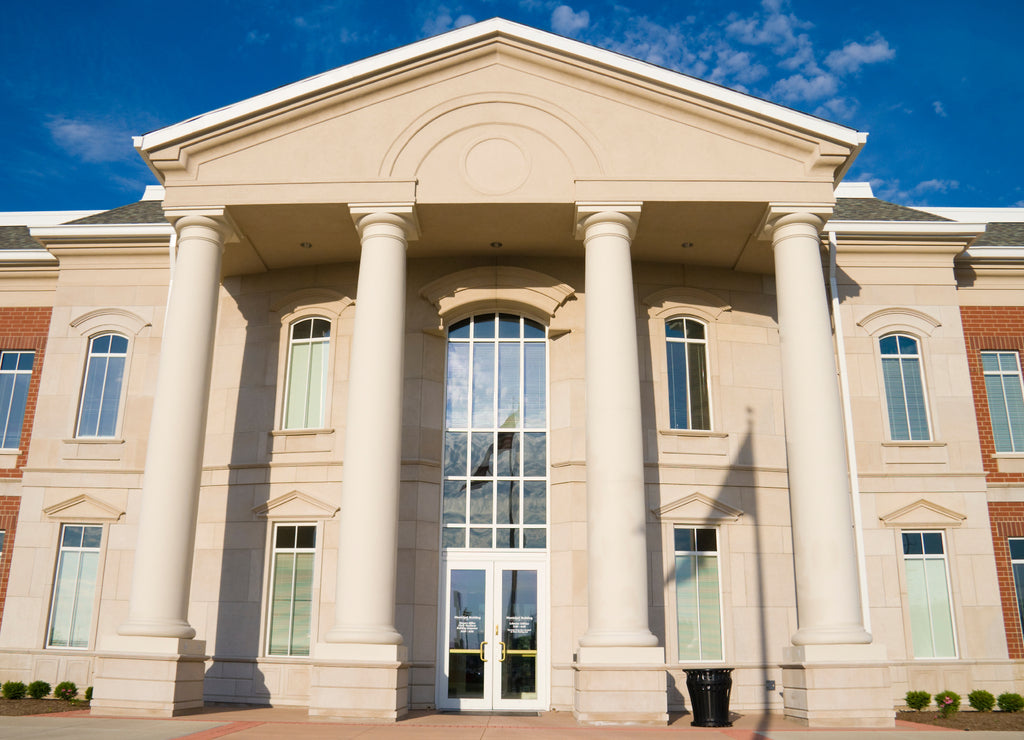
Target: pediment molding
(665, 303)
(109, 318)
(923, 513)
(295, 506)
(83, 508)
(897, 318)
(323, 300)
(697, 509)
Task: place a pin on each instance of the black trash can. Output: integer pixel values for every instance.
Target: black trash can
(709, 690)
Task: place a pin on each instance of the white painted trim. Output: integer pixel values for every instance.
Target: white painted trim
(153, 192)
(907, 228)
(477, 32)
(997, 215)
(91, 232)
(854, 190)
(999, 254)
(26, 255)
(41, 218)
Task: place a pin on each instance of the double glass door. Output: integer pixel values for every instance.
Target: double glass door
(494, 637)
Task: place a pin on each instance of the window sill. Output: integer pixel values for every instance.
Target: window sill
(93, 448)
(692, 442)
(9, 458)
(913, 443)
(1010, 462)
(913, 452)
(291, 441)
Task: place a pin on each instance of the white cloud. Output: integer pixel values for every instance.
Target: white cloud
(935, 186)
(443, 20)
(567, 22)
(837, 109)
(665, 46)
(736, 65)
(854, 55)
(91, 141)
(255, 37)
(798, 88)
(939, 109)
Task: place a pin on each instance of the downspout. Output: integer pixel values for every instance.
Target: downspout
(172, 254)
(851, 452)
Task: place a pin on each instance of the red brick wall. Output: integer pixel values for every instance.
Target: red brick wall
(1007, 520)
(8, 522)
(997, 328)
(20, 329)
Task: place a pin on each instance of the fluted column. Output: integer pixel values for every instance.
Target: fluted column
(616, 510)
(368, 544)
(827, 586)
(174, 456)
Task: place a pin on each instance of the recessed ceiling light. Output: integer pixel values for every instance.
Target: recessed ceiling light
(496, 245)
(686, 245)
(306, 245)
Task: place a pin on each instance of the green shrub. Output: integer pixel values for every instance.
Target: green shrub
(13, 690)
(66, 690)
(918, 700)
(1010, 702)
(981, 700)
(88, 693)
(948, 703)
(38, 689)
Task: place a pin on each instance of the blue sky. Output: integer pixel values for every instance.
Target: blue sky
(938, 85)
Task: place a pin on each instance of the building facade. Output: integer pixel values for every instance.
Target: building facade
(499, 372)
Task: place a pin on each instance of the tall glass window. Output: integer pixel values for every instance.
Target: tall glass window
(931, 616)
(101, 391)
(291, 590)
(1017, 564)
(1005, 402)
(74, 586)
(15, 374)
(688, 397)
(495, 448)
(904, 388)
(698, 594)
(306, 382)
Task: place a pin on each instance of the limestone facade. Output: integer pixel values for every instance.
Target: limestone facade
(498, 171)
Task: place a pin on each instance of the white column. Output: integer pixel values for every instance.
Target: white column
(827, 586)
(174, 456)
(368, 545)
(616, 510)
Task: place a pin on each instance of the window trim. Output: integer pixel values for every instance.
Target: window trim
(327, 373)
(98, 587)
(267, 605)
(1017, 446)
(6, 416)
(673, 586)
(1017, 596)
(932, 435)
(686, 342)
(122, 391)
(905, 596)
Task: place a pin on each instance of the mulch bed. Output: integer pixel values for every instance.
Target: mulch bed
(968, 720)
(22, 707)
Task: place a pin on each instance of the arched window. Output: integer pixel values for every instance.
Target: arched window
(904, 388)
(687, 351)
(495, 456)
(306, 382)
(101, 389)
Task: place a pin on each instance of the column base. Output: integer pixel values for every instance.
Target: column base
(837, 686)
(620, 686)
(148, 677)
(366, 682)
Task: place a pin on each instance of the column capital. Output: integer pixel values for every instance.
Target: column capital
(589, 213)
(782, 214)
(402, 215)
(213, 217)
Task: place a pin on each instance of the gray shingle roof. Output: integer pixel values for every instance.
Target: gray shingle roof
(143, 212)
(1002, 235)
(873, 209)
(17, 237)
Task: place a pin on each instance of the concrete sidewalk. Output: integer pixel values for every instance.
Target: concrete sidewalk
(266, 723)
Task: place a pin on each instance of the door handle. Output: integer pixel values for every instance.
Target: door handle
(502, 659)
(482, 656)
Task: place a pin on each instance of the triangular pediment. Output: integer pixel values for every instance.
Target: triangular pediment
(923, 513)
(83, 508)
(295, 506)
(697, 509)
(496, 111)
